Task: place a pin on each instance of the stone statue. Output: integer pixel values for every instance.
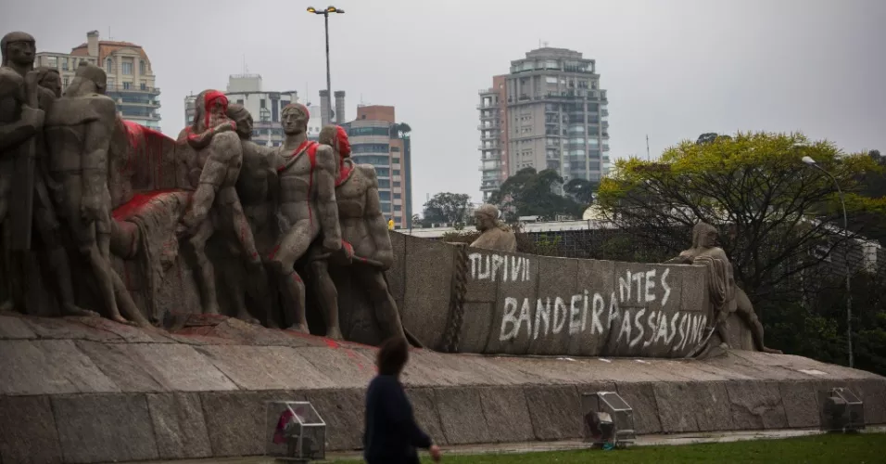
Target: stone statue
(726, 296)
(367, 243)
(257, 189)
(495, 234)
(307, 205)
(21, 120)
(79, 127)
(215, 204)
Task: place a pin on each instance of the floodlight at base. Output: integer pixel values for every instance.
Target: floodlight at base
(841, 410)
(294, 432)
(607, 418)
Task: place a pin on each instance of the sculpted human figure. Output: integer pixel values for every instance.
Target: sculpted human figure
(367, 244)
(79, 127)
(21, 120)
(215, 205)
(257, 188)
(306, 171)
(495, 234)
(725, 295)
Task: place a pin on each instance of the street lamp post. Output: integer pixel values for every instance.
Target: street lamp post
(811, 162)
(325, 13)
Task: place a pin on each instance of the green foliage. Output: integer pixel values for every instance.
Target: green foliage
(449, 208)
(531, 193)
(772, 209)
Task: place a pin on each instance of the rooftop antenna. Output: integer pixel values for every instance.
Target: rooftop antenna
(647, 148)
(545, 44)
(109, 33)
(245, 67)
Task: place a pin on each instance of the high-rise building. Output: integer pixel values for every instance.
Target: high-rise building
(131, 82)
(548, 113)
(377, 139)
(266, 108)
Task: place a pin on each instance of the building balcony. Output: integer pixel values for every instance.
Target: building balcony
(490, 185)
(490, 135)
(493, 116)
(490, 167)
(153, 105)
(487, 91)
(483, 127)
(488, 147)
(115, 88)
(490, 106)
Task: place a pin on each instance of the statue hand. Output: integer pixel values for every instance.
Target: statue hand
(33, 116)
(91, 208)
(331, 245)
(31, 80)
(386, 259)
(226, 126)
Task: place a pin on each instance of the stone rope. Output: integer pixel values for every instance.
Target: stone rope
(456, 300)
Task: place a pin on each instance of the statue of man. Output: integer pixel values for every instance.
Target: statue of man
(366, 240)
(79, 127)
(726, 296)
(21, 120)
(256, 187)
(215, 204)
(306, 171)
(495, 234)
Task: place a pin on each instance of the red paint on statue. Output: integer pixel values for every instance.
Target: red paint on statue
(146, 152)
(209, 100)
(331, 343)
(274, 252)
(137, 202)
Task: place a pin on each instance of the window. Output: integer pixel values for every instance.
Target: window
(109, 66)
(551, 79)
(283, 104)
(371, 148)
(240, 101)
(396, 184)
(383, 172)
(261, 104)
(374, 160)
(384, 184)
(361, 131)
(143, 86)
(126, 85)
(384, 196)
(395, 149)
(64, 64)
(65, 83)
(395, 160)
(398, 208)
(396, 172)
(127, 68)
(141, 67)
(275, 113)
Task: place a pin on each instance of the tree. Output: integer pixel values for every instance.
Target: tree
(777, 216)
(531, 193)
(581, 190)
(447, 208)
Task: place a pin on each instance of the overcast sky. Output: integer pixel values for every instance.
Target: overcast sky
(673, 69)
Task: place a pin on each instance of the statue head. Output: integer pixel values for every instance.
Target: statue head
(50, 79)
(486, 218)
(295, 118)
(88, 79)
(19, 49)
(337, 138)
(241, 117)
(704, 235)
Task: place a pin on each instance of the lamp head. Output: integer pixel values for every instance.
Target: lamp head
(808, 160)
(312, 9)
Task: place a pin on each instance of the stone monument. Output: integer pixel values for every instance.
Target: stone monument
(725, 295)
(496, 235)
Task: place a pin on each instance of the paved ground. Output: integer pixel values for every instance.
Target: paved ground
(529, 447)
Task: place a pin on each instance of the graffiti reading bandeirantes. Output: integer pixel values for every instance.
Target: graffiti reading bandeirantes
(623, 310)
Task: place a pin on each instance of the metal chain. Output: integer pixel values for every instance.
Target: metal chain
(457, 300)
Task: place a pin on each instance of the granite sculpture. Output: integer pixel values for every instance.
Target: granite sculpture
(495, 234)
(725, 295)
(215, 205)
(367, 249)
(306, 171)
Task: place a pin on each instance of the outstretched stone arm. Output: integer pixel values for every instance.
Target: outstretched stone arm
(95, 161)
(376, 224)
(326, 205)
(211, 178)
(201, 140)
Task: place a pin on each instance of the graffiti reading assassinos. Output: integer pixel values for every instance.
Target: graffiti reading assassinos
(623, 310)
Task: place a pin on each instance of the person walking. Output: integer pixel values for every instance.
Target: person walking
(391, 435)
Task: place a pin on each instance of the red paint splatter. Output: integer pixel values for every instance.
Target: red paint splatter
(296, 278)
(332, 343)
(274, 252)
(138, 201)
(211, 97)
(147, 147)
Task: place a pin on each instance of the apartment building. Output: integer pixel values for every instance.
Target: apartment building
(131, 81)
(377, 139)
(549, 112)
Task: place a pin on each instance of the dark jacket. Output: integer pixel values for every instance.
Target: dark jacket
(391, 435)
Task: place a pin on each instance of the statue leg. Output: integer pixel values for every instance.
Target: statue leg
(9, 272)
(255, 269)
(206, 273)
(382, 301)
(746, 311)
(328, 298)
(48, 227)
(293, 246)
